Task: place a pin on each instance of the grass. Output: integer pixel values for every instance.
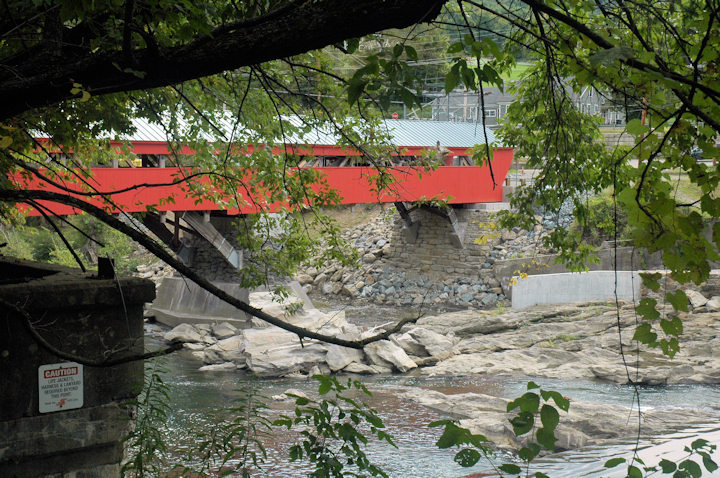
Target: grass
(517, 72)
(686, 191)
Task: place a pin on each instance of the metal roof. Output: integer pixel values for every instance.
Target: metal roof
(449, 133)
(404, 133)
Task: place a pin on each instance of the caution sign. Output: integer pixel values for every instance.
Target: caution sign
(60, 386)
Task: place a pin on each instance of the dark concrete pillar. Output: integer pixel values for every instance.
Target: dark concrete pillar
(59, 417)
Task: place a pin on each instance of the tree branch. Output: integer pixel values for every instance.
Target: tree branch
(27, 322)
(46, 78)
(160, 252)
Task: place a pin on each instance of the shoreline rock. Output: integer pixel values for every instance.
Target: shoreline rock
(584, 424)
(574, 341)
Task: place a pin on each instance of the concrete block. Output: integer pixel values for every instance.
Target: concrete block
(180, 300)
(574, 287)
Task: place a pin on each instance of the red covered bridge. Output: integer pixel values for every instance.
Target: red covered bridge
(457, 181)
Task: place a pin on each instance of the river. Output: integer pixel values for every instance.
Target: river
(197, 397)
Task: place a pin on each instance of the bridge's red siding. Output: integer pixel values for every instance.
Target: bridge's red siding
(459, 184)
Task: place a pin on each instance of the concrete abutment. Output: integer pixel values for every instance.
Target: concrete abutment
(58, 417)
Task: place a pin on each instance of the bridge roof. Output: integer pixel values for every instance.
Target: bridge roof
(403, 133)
(427, 133)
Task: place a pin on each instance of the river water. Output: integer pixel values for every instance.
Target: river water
(196, 399)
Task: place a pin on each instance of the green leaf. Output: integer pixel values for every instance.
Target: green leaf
(532, 385)
(647, 309)
(634, 472)
(651, 280)
(636, 128)
(411, 53)
(451, 436)
(397, 50)
(467, 457)
(510, 468)
(678, 300)
(667, 466)
(296, 453)
(610, 55)
(522, 423)
(352, 44)
(468, 77)
(408, 97)
(456, 47)
(528, 453)
(356, 87)
(440, 423)
(710, 465)
(549, 417)
(546, 438)
(645, 335)
(325, 384)
(452, 79)
(670, 347)
(528, 402)
(613, 462)
(557, 397)
(691, 467)
(672, 326)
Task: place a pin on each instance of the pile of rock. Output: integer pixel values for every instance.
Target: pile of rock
(155, 271)
(384, 277)
(569, 341)
(271, 351)
(520, 243)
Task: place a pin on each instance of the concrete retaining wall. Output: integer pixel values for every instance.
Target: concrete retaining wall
(629, 259)
(180, 300)
(80, 434)
(575, 287)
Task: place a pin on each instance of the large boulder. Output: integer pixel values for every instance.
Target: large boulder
(696, 298)
(364, 369)
(409, 345)
(339, 357)
(274, 352)
(384, 353)
(713, 304)
(224, 330)
(227, 350)
(219, 367)
(184, 333)
(585, 424)
(436, 345)
(285, 359)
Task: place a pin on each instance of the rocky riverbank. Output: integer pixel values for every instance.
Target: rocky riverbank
(431, 272)
(571, 341)
(584, 424)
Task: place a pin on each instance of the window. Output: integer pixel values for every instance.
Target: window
(490, 113)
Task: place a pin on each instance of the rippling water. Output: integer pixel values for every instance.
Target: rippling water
(198, 398)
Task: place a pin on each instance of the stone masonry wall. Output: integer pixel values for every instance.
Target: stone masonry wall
(430, 271)
(434, 252)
